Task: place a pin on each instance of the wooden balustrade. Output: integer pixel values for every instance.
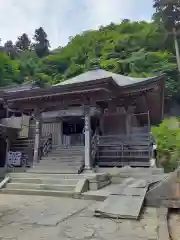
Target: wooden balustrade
(119, 150)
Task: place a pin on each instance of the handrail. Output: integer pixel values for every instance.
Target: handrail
(46, 145)
(94, 147)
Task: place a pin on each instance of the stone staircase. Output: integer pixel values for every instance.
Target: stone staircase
(42, 184)
(55, 175)
(61, 160)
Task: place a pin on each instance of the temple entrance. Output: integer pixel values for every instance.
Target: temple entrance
(2, 152)
(73, 129)
(73, 126)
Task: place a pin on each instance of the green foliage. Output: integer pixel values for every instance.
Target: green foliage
(167, 136)
(8, 70)
(29, 66)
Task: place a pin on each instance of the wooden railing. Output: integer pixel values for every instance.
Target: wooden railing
(120, 150)
(26, 147)
(46, 145)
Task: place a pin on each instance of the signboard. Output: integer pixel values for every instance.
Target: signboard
(75, 111)
(14, 158)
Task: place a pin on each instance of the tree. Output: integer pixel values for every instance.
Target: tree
(23, 43)
(41, 45)
(10, 49)
(168, 13)
(167, 136)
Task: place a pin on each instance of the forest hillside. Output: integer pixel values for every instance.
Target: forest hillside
(139, 49)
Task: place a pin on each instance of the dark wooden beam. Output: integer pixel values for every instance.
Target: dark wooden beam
(60, 102)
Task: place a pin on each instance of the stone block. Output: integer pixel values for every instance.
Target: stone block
(99, 181)
(81, 186)
(98, 185)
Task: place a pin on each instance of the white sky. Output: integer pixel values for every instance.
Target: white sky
(64, 18)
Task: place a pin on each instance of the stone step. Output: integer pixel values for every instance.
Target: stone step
(69, 147)
(49, 158)
(59, 159)
(57, 169)
(45, 180)
(66, 154)
(48, 175)
(38, 192)
(45, 170)
(59, 165)
(34, 186)
(68, 150)
(48, 170)
(59, 162)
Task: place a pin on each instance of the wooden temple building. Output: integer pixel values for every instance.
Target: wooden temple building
(106, 115)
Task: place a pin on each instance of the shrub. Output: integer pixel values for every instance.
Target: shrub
(167, 136)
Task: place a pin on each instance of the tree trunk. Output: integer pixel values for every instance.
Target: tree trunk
(176, 48)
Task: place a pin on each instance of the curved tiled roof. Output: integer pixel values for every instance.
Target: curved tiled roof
(98, 74)
(19, 88)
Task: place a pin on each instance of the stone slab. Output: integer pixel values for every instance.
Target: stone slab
(121, 191)
(44, 211)
(140, 183)
(116, 206)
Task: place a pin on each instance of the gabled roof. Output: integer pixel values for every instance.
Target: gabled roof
(99, 74)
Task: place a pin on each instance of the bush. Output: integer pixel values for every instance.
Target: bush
(167, 136)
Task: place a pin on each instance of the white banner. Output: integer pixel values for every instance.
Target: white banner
(14, 158)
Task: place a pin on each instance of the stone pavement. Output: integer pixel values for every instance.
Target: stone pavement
(44, 218)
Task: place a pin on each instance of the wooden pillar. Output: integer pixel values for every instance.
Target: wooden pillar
(7, 152)
(87, 133)
(128, 118)
(37, 137)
